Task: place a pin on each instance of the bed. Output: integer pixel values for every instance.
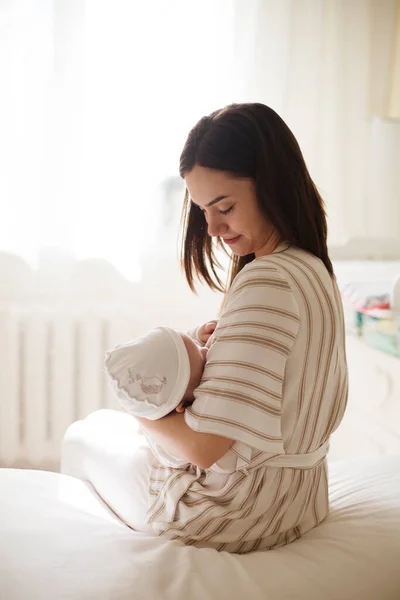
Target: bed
(58, 540)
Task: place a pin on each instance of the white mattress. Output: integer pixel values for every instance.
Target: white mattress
(58, 540)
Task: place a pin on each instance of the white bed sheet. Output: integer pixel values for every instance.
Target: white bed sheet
(59, 541)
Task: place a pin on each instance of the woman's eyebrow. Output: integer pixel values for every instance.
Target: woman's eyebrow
(218, 199)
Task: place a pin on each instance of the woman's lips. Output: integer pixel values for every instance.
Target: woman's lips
(231, 241)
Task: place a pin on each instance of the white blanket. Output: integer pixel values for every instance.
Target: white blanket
(59, 541)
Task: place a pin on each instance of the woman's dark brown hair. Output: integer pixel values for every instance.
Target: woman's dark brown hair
(251, 141)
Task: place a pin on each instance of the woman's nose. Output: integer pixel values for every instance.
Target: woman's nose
(216, 227)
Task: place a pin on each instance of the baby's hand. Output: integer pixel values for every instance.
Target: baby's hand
(182, 406)
(205, 331)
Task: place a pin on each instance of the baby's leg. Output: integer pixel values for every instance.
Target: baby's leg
(107, 450)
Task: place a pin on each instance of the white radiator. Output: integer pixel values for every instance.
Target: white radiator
(56, 323)
(51, 374)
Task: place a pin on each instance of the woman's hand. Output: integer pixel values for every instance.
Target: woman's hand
(205, 331)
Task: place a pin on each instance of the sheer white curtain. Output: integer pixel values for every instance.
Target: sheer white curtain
(98, 96)
(326, 66)
(96, 100)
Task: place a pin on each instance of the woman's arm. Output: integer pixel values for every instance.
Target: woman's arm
(173, 435)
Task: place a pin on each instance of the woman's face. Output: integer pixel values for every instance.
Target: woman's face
(231, 210)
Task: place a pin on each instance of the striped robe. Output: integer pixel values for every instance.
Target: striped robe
(276, 383)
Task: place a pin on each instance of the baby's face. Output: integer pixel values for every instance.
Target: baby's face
(197, 359)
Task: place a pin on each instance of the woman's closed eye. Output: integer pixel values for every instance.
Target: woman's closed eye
(225, 212)
(221, 212)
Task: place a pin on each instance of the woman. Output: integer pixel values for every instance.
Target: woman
(275, 383)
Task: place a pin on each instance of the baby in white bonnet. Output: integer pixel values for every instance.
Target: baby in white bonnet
(156, 374)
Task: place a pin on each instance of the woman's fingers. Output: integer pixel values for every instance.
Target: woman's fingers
(208, 343)
(206, 330)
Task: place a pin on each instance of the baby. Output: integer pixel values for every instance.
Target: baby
(156, 374)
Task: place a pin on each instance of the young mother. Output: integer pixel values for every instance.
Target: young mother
(275, 383)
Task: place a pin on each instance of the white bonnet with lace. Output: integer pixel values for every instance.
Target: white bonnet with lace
(149, 374)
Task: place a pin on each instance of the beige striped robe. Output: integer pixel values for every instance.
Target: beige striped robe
(276, 383)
